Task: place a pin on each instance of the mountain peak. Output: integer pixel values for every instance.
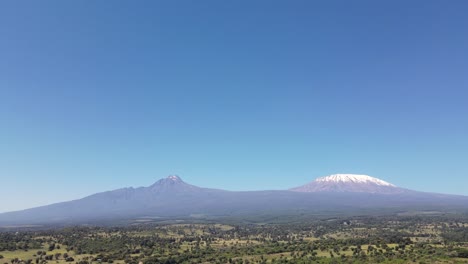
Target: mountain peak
(348, 183)
(354, 178)
(169, 180)
(174, 178)
(172, 183)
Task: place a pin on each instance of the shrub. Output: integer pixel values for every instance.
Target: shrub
(462, 252)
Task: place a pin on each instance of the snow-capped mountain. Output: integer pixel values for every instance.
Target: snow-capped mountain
(173, 198)
(349, 183)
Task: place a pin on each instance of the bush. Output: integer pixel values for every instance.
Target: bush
(51, 247)
(462, 252)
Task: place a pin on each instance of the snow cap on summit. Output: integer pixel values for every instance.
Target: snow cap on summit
(349, 183)
(354, 178)
(173, 177)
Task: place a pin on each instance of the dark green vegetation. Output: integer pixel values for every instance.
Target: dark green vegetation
(366, 239)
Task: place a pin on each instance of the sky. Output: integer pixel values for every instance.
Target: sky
(238, 95)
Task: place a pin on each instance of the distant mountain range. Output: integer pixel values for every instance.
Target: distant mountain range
(173, 198)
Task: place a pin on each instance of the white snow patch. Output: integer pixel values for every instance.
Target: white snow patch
(356, 178)
(174, 177)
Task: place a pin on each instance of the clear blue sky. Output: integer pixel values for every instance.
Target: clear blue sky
(240, 95)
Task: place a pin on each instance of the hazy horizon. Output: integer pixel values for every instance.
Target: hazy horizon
(231, 95)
